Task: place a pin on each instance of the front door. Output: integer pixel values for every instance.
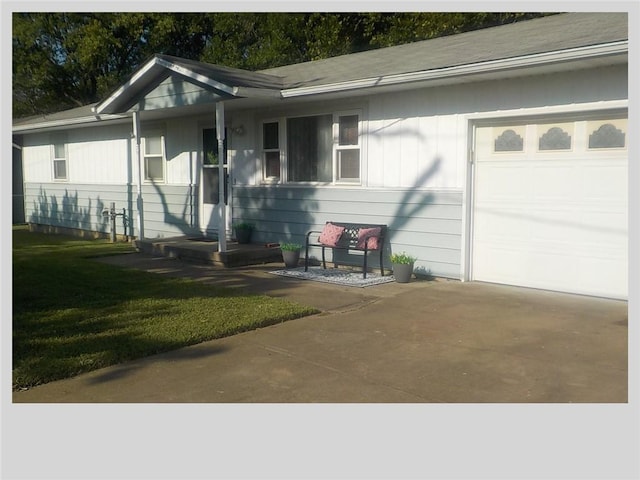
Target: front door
(210, 190)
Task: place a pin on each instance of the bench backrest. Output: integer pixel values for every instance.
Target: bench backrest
(350, 235)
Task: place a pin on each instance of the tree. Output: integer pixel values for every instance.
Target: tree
(65, 60)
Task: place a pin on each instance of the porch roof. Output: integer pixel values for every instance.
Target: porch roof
(224, 82)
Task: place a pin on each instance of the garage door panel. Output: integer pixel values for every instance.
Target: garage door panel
(602, 182)
(551, 219)
(504, 183)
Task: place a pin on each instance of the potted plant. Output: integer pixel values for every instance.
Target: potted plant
(290, 254)
(243, 231)
(402, 266)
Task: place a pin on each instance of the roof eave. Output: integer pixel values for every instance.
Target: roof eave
(539, 59)
(52, 124)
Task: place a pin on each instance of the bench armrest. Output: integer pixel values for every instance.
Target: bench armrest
(309, 234)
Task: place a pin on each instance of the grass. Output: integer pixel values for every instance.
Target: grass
(72, 314)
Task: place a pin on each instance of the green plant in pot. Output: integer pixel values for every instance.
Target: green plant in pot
(290, 254)
(243, 231)
(402, 264)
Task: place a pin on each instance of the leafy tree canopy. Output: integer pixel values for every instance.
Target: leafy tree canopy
(65, 60)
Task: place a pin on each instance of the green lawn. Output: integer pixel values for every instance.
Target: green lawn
(72, 314)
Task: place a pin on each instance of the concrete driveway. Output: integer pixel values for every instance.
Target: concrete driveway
(422, 342)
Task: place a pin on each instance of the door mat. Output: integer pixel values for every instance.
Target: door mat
(335, 276)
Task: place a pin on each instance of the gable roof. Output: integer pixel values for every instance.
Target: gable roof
(532, 37)
(542, 41)
(225, 82)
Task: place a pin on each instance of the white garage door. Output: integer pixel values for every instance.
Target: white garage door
(550, 206)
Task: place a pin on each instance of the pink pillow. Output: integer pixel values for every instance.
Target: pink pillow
(372, 241)
(330, 235)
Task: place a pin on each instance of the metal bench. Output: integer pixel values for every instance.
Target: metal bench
(350, 240)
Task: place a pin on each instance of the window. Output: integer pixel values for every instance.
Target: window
(557, 137)
(154, 158)
(271, 150)
(211, 167)
(309, 149)
(348, 149)
(316, 148)
(59, 153)
(607, 136)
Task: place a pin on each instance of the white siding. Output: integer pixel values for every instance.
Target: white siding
(181, 144)
(100, 155)
(36, 158)
(419, 138)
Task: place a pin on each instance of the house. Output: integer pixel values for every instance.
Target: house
(496, 155)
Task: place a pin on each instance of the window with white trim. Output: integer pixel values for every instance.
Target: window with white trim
(313, 149)
(153, 148)
(271, 151)
(59, 157)
(348, 149)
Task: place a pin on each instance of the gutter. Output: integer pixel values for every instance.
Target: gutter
(538, 59)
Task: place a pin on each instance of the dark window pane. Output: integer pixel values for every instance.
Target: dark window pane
(607, 136)
(509, 141)
(555, 139)
(349, 130)
(349, 164)
(270, 136)
(60, 169)
(272, 164)
(210, 146)
(309, 149)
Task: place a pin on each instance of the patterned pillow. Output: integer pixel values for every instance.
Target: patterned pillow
(330, 235)
(372, 241)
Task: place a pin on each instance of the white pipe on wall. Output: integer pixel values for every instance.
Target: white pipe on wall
(222, 226)
(140, 203)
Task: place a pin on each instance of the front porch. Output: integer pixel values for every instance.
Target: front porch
(202, 250)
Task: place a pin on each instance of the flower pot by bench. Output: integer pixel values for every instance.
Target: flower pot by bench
(402, 272)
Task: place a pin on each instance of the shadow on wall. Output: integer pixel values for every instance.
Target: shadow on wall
(66, 212)
(279, 213)
(187, 220)
(414, 200)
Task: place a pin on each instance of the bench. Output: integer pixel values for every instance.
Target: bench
(363, 237)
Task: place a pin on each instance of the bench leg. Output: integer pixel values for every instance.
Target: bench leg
(324, 263)
(364, 273)
(381, 266)
(306, 256)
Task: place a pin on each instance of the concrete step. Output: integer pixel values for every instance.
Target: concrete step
(206, 252)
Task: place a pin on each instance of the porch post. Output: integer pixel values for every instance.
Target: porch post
(222, 228)
(136, 134)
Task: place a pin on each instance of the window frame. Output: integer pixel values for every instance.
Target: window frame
(161, 156)
(281, 136)
(336, 148)
(55, 141)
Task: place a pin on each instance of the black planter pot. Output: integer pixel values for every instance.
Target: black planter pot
(243, 235)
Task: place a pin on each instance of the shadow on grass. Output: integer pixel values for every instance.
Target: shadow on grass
(73, 315)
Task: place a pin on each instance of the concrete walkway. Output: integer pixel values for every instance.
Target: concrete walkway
(426, 341)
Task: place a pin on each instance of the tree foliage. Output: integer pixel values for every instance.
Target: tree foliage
(65, 60)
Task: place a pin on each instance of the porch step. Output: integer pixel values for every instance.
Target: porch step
(206, 252)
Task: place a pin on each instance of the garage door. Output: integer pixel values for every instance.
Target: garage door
(550, 205)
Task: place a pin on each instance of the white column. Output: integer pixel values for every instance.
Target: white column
(222, 208)
(136, 134)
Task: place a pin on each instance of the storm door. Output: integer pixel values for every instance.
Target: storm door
(210, 192)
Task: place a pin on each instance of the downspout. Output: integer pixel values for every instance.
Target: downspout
(222, 228)
(136, 134)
